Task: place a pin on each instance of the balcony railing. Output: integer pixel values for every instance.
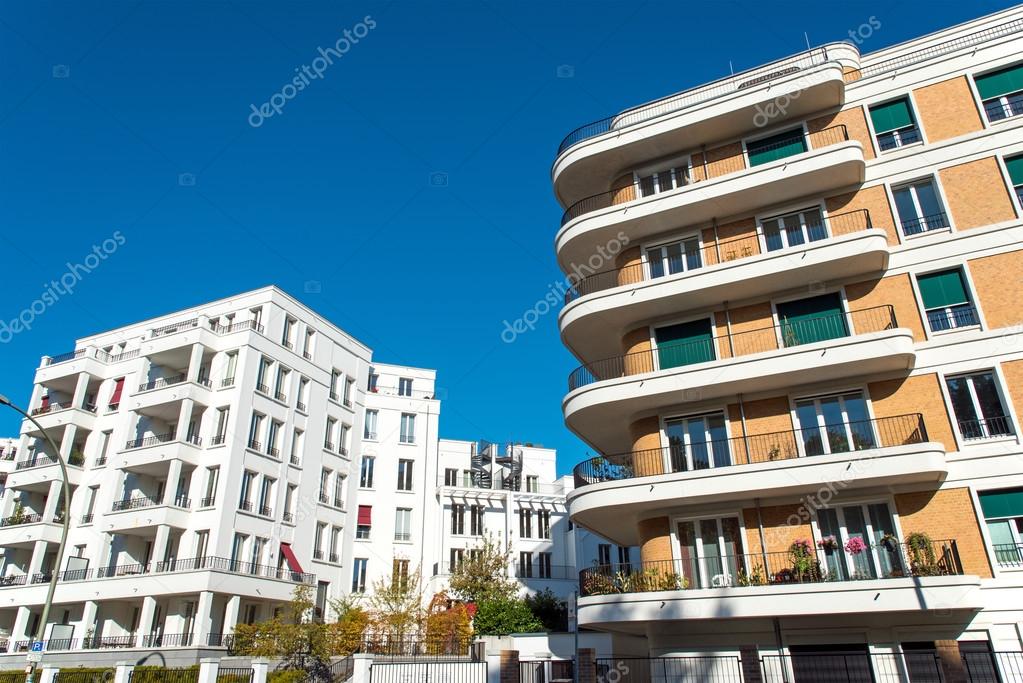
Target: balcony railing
(144, 441)
(238, 327)
(116, 357)
(53, 407)
(15, 520)
(161, 382)
(693, 96)
(721, 252)
(167, 640)
(773, 338)
(40, 460)
(953, 317)
(109, 642)
(630, 193)
(64, 357)
(842, 437)
(987, 428)
(1008, 554)
(135, 503)
(13, 580)
(915, 226)
(175, 327)
(807, 564)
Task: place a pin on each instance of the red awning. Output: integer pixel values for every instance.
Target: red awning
(289, 556)
(365, 515)
(115, 398)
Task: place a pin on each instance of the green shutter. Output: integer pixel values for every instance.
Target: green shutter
(1000, 82)
(776, 147)
(684, 344)
(811, 320)
(1006, 503)
(942, 289)
(891, 115)
(1015, 166)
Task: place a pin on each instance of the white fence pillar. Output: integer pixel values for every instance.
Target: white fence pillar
(361, 664)
(208, 669)
(48, 673)
(122, 672)
(259, 670)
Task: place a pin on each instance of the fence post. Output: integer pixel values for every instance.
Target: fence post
(749, 665)
(361, 667)
(208, 669)
(48, 673)
(260, 667)
(509, 666)
(122, 672)
(952, 665)
(586, 661)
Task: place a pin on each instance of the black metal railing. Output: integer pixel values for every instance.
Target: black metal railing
(772, 338)
(39, 460)
(175, 327)
(52, 407)
(630, 193)
(706, 669)
(227, 382)
(293, 459)
(986, 428)
(806, 564)
(13, 580)
(281, 396)
(134, 503)
(288, 517)
(23, 518)
(207, 502)
(997, 110)
(900, 138)
(963, 315)
(543, 670)
(161, 382)
(854, 667)
(915, 226)
(843, 437)
(693, 96)
(144, 441)
(109, 642)
(167, 640)
(255, 445)
(220, 639)
(263, 389)
(1008, 554)
(415, 645)
(218, 439)
(62, 357)
(300, 406)
(329, 445)
(86, 519)
(718, 253)
(266, 511)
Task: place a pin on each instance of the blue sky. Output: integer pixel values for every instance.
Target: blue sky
(411, 181)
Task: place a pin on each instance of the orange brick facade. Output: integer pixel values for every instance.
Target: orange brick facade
(896, 291)
(917, 394)
(946, 514)
(947, 109)
(998, 281)
(976, 194)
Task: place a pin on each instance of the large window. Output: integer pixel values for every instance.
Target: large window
(815, 319)
(894, 124)
(662, 181)
(684, 344)
(869, 523)
(698, 442)
(359, 574)
(919, 207)
(408, 428)
(834, 424)
(1015, 167)
(710, 551)
(1002, 92)
(978, 406)
(370, 428)
(405, 475)
(476, 513)
(525, 565)
(946, 301)
(404, 386)
(364, 522)
(1003, 513)
(604, 554)
(403, 524)
(776, 147)
(525, 523)
(458, 519)
(793, 229)
(674, 257)
(543, 523)
(366, 472)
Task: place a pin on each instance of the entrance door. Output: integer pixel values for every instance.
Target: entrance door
(869, 523)
(834, 424)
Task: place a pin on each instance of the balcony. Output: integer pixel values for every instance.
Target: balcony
(722, 109)
(603, 306)
(23, 530)
(614, 492)
(807, 580)
(158, 439)
(604, 394)
(791, 169)
(36, 471)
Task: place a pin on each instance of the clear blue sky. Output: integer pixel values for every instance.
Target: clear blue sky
(110, 111)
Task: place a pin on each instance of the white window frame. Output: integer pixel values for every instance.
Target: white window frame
(938, 192)
(1003, 395)
(666, 442)
(776, 215)
(717, 516)
(862, 503)
(964, 270)
(679, 239)
(913, 109)
(797, 426)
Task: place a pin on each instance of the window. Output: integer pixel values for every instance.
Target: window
(525, 523)
(339, 490)
(815, 319)
(404, 386)
(229, 370)
(945, 300)
(255, 430)
(364, 521)
(543, 565)
(1014, 165)
(919, 207)
(244, 501)
(324, 483)
(220, 435)
(525, 565)
(371, 384)
(663, 181)
(1003, 514)
(405, 475)
(710, 551)
(403, 524)
(366, 472)
(335, 538)
(297, 440)
(455, 558)
(288, 335)
(451, 476)
(458, 519)
(870, 523)
(370, 431)
(624, 557)
(238, 549)
(321, 527)
(359, 575)
(684, 343)
(674, 257)
(307, 345)
(834, 424)
(303, 394)
(346, 397)
(399, 574)
(328, 437)
(266, 495)
(408, 428)
(766, 150)
(90, 505)
(342, 439)
(273, 438)
(978, 406)
(532, 483)
(793, 229)
(604, 554)
(476, 513)
(1002, 92)
(697, 442)
(543, 523)
(289, 502)
(335, 380)
(212, 479)
(281, 385)
(894, 124)
(263, 375)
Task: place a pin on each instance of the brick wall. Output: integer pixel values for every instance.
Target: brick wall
(630, 265)
(637, 342)
(1013, 371)
(720, 161)
(916, 394)
(874, 200)
(646, 436)
(947, 109)
(752, 330)
(895, 290)
(778, 533)
(855, 124)
(976, 194)
(999, 283)
(626, 189)
(654, 540)
(738, 239)
(946, 514)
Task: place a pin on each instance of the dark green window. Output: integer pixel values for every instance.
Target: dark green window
(946, 300)
(1015, 167)
(1002, 92)
(811, 320)
(776, 147)
(684, 344)
(894, 124)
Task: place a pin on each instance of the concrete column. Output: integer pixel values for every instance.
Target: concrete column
(88, 620)
(50, 509)
(48, 673)
(122, 672)
(68, 440)
(234, 604)
(361, 664)
(184, 417)
(21, 620)
(194, 362)
(259, 670)
(160, 544)
(35, 565)
(81, 386)
(146, 620)
(509, 666)
(203, 618)
(170, 490)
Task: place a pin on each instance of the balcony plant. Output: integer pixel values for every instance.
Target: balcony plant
(855, 545)
(889, 542)
(18, 515)
(828, 544)
(805, 566)
(754, 577)
(922, 560)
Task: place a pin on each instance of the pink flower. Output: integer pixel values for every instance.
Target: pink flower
(855, 545)
(827, 543)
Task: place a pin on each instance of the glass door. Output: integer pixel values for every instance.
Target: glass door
(860, 549)
(676, 257)
(794, 229)
(698, 443)
(835, 424)
(710, 551)
(815, 319)
(684, 344)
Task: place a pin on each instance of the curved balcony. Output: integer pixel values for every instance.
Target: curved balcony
(603, 306)
(614, 492)
(819, 349)
(789, 88)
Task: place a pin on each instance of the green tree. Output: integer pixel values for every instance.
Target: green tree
(484, 573)
(501, 616)
(549, 609)
(396, 603)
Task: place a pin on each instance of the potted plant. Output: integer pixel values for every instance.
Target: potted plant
(828, 544)
(804, 564)
(855, 545)
(774, 452)
(889, 542)
(922, 561)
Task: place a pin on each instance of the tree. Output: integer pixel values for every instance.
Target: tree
(501, 616)
(448, 626)
(551, 611)
(483, 575)
(396, 604)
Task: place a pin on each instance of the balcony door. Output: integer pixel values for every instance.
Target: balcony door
(710, 551)
(698, 442)
(793, 229)
(870, 523)
(815, 319)
(834, 424)
(684, 344)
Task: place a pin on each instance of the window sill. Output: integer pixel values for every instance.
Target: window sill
(406, 443)
(925, 233)
(899, 148)
(255, 515)
(269, 457)
(410, 491)
(988, 440)
(953, 330)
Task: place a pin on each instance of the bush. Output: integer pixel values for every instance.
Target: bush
(286, 676)
(552, 612)
(503, 616)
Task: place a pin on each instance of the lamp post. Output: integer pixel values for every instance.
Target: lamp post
(41, 630)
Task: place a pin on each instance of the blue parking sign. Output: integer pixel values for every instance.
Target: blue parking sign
(37, 646)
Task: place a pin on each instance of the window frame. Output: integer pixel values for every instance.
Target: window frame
(968, 285)
(816, 396)
(980, 102)
(680, 239)
(1003, 396)
(939, 193)
(718, 515)
(820, 207)
(913, 109)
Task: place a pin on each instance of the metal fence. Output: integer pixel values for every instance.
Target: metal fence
(690, 669)
(160, 675)
(853, 667)
(427, 672)
(546, 671)
(234, 674)
(85, 676)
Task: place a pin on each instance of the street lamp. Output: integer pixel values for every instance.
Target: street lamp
(41, 630)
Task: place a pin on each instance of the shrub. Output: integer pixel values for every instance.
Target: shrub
(503, 616)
